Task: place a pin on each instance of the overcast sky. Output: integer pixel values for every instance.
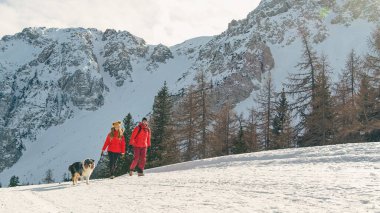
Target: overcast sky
(157, 21)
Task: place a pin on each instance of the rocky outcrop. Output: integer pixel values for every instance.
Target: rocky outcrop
(85, 92)
(353, 9)
(10, 148)
(117, 62)
(160, 54)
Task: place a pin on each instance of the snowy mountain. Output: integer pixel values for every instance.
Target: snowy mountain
(62, 88)
(341, 178)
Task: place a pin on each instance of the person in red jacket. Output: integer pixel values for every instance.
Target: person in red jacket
(115, 145)
(140, 140)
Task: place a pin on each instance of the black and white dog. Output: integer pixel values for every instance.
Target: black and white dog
(82, 169)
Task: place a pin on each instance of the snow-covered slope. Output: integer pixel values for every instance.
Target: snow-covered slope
(341, 178)
(60, 89)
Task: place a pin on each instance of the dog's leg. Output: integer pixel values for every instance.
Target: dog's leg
(73, 179)
(87, 179)
(76, 178)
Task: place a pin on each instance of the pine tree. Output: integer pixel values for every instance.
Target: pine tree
(266, 100)
(102, 169)
(240, 145)
(66, 177)
(366, 101)
(351, 73)
(1, 185)
(14, 181)
(186, 124)
(369, 93)
(160, 124)
(205, 114)
(346, 112)
(128, 128)
(48, 177)
(224, 129)
(319, 123)
(302, 85)
(251, 135)
(282, 130)
(372, 64)
(171, 152)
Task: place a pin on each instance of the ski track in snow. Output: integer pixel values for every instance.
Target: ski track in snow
(341, 178)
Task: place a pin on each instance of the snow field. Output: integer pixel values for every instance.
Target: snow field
(340, 178)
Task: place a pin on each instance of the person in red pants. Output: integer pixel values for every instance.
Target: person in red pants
(115, 144)
(140, 140)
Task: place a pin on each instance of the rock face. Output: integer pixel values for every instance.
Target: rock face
(240, 69)
(160, 54)
(118, 63)
(47, 75)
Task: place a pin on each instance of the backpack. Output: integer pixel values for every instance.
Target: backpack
(140, 131)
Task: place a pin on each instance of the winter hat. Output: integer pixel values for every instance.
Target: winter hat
(116, 123)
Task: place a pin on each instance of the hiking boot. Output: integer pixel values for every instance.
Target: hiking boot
(130, 173)
(140, 174)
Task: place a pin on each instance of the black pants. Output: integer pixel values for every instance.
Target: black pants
(114, 157)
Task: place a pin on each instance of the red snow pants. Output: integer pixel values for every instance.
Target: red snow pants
(139, 159)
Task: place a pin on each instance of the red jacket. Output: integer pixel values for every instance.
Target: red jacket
(140, 136)
(115, 144)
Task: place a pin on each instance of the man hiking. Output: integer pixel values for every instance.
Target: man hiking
(140, 140)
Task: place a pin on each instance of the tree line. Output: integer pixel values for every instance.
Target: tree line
(311, 109)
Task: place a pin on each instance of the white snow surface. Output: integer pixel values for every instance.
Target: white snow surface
(339, 178)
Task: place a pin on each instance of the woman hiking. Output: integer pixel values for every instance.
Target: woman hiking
(115, 145)
(140, 140)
